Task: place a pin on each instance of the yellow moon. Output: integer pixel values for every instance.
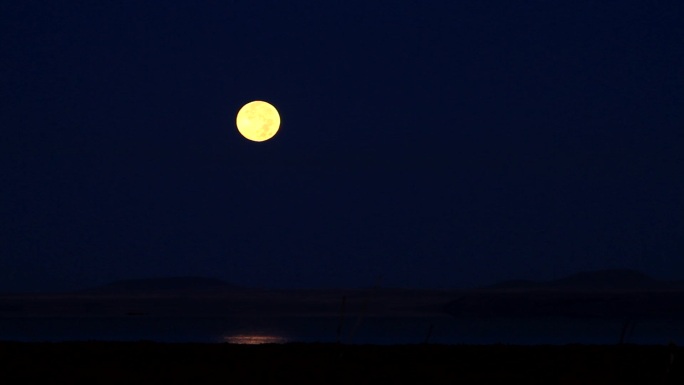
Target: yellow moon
(258, 121)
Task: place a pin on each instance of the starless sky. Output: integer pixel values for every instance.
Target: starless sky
(423, 143)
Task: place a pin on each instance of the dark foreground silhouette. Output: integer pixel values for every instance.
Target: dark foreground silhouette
(123, 362)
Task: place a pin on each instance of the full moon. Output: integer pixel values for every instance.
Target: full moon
(258, 121)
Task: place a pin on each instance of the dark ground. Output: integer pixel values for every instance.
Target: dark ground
(121, 362)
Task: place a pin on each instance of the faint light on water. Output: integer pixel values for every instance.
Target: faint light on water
(254, 339)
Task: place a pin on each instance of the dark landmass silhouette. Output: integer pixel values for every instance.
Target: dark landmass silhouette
(619, 293)
(622, 294)
(614, 279)
(303, 364)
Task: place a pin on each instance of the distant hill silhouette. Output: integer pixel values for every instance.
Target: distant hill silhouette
(610, 279)
(171, 285)
(620, 294)
(615, 279)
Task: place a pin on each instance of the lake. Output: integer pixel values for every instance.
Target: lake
(439, 329)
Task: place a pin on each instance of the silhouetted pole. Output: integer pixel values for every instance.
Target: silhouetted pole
(339, 326)
(429, 334)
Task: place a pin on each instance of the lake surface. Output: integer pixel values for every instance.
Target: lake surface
(357, 330)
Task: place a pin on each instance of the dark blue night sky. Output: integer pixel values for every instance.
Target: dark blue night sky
(423, 143)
